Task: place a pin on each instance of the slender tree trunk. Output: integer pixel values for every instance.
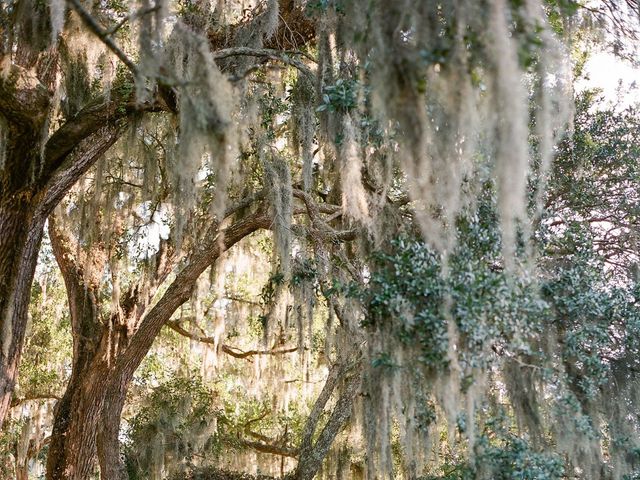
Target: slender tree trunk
(22, 451)
(312, 455)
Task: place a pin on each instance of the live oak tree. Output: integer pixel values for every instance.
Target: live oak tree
(325, 122)
(479, 289)
(65, 101)
(113, 334)
(46, 148)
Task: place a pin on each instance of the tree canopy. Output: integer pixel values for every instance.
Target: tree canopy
(308, 239)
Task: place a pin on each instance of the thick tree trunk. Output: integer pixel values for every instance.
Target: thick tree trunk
(23, 109)
(20, 237)
(111, 465)
(73, 448)
(87, 421)
(24, 208)
(72, 451)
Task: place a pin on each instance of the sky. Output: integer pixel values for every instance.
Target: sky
(608, 72)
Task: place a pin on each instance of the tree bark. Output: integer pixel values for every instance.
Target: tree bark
(34, 177)
(20, 236)
(73, 441)
(312, 455)
(111, 464)
(87, 419)
(22, 472)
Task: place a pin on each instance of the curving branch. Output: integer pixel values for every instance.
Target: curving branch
(182, 286)
(33, 397)
(237, 353)
(73, 164)
(228, 349)
(268, 448)
(102, 112)
(333, 378)
(312, 454)
(286, 57)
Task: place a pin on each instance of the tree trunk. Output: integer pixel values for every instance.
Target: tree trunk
(87, 421)
(22, 451)
(312, 455)
(24, 208)
(72, 452)
(20, 237)
(111, 465)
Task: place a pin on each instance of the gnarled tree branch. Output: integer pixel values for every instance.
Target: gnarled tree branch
(228, 349)
(24, 101)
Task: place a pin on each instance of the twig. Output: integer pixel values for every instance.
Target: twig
(268, 53)
(45, 396)
(266, 448)
(103, 35)
(140, 13)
